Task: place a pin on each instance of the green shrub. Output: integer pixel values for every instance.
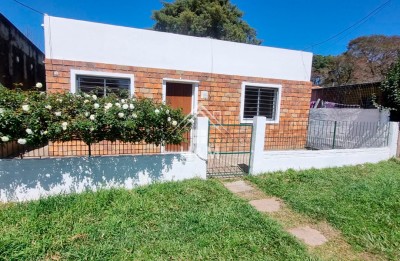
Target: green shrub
(35, 117)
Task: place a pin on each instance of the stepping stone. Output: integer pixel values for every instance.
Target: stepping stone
(309, 235)
(266, 205)
(238, 186)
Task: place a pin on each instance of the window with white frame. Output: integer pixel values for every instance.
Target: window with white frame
(102, 83)
(260, 100)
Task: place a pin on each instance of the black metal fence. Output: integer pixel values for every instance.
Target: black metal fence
(76, 148)
(323, 135)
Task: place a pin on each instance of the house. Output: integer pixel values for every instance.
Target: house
(21, 62)
(228, 82)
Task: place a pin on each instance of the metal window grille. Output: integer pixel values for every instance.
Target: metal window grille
(103, 85)
(260, 101)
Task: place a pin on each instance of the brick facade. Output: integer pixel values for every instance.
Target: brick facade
(224, 95)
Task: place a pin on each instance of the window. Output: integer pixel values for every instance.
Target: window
(102, 83)
(260, 100)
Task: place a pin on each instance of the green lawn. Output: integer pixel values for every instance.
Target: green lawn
(172, 221)
(362, 201)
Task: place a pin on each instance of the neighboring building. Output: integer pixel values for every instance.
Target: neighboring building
(21, 62)
(226, 81)
(345, 96)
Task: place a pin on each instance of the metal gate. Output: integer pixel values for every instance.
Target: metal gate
(229, 149)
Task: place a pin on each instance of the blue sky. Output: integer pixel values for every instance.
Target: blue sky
(292, 24)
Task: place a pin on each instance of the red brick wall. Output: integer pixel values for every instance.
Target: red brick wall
(224, 92)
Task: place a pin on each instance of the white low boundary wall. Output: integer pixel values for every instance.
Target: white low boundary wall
(307, 159)
(268, 161)
(30, 179)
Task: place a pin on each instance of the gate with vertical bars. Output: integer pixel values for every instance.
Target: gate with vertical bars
(229, 149)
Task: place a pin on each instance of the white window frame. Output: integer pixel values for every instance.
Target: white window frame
(75, 73)
(262, 85)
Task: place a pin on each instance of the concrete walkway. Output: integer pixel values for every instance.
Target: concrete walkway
(321, 239)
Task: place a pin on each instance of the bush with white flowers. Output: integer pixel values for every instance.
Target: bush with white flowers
(35, 118)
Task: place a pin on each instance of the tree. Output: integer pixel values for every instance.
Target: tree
(218, 19)
(367, 59)
(391, 90)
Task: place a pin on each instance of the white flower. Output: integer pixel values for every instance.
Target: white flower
(48, 107)
(125, 106)
(123, 101)
(86, 101)
(86, 95)
(157, 111)
(118, 104)
(92, 117)
(1, 110)
(174, 123)
(25, 107)
(59, 100)
(64, 125)
(22, 141)
(109, 104)
(42, 93)
(87, 114)
(4, 139)
(96, 105)
(121, 114)
(78, 95)
(167, 111)
(39, 85)
(57, 113)
(134, 115)
(94, 97)
(169, 119)
(191, 121)
(131, 106)
(91, 129)
(43, 132)
(29, 131)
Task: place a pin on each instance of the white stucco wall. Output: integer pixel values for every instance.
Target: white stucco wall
(30, 179)
(75, 40)
(307, 159)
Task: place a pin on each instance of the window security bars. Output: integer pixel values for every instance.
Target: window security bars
(260, 101)
(103, 85)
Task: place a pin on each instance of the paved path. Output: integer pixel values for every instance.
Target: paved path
(321, 239)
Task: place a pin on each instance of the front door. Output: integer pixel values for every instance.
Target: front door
(179, 95)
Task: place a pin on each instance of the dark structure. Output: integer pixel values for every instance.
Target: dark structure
(355, 94)
(21, 62)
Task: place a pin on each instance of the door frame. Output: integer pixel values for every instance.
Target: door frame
(195, 95)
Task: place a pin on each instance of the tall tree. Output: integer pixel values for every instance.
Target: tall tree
(218, 19)
(367, 59)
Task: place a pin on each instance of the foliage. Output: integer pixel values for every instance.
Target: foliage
(367, 59)
(190, 220)
(35, 117)
(218, 19)
(391, 87)
(362, 201)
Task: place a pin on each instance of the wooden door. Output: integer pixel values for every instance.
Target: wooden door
(179, 95)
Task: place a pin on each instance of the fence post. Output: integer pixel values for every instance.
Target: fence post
(201, 138)
(393, 137)
(334, 134)
(257, 145)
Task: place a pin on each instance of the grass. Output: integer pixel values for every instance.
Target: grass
(188, 220)
(363, 201)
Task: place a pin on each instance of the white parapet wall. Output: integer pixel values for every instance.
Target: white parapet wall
(271, 161)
